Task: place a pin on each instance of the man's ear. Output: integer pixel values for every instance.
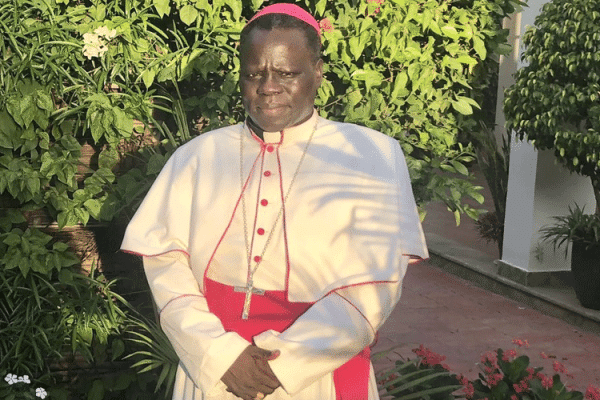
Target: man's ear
(319, 71)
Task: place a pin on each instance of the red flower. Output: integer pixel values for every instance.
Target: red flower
(326, 25)
(547, 381)
(559, 367)
(592, 393)
(490, 358)
(514, 397)
(521, 343)
(429, 357)
(521, 387)
(509, 355)
(494, 379)
(469, 390)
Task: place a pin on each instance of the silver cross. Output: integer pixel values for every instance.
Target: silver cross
(249, 289)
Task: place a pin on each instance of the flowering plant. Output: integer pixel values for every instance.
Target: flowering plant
(19, 387)
(423, 377)
(505, 375)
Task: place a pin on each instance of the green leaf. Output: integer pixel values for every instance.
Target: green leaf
(162, 7)
(94, 207)
(117, 348)
(460, 167)
(462, 106)
(188, 14)
(400, 89)
(97, 390)
(479, 47)
(148, 77)
(450, 32)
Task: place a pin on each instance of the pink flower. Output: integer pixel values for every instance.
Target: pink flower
(531, 372)
(326, 25)
(521, 387)
(462, 379)
(514, 397)
(490, 358)
(494, 379)
(429, 357)
(469, 390)
(521, 343)
(509, 355)
(559, 367)
(547, 381)
(592, 393)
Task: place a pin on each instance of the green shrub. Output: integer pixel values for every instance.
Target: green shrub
(554, 102)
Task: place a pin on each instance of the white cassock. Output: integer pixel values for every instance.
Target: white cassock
(343, 241)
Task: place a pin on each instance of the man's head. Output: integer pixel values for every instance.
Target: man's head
(281, 69)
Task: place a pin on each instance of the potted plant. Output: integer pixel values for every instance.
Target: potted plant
(555, 103)
(583, 230)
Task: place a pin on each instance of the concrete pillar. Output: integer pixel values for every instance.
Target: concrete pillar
(538, 188)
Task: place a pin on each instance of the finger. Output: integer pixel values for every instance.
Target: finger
(257, 352)
(274, 355)
(265, 383)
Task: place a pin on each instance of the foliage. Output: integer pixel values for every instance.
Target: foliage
(75, 74)
(508, 376)
(421, 378)
(574, 227)
(505, 375)
(554, 101)
(20, 387)
(493, 163)
(155, 352)
(416, 71)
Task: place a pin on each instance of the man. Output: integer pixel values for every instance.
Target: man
(275, 249)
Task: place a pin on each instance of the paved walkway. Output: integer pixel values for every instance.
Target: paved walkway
(462, 321)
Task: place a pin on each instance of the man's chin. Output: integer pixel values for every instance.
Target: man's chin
(272, 124)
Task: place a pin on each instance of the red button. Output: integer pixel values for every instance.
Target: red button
(260, 231)
(264, 202)
(270, 149)
(267, 173)
(257, 258)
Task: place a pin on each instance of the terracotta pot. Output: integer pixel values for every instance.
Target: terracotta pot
(585, 267)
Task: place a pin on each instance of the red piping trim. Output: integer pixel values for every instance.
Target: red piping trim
(284, 226)
(232, 215)
(361, 313)
(154, 255)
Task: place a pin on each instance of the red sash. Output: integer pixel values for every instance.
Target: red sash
(273, 311)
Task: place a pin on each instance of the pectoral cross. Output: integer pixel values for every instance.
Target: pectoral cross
(249, 289)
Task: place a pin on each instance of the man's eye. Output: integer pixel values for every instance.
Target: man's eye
(252, 75)
(287, 74)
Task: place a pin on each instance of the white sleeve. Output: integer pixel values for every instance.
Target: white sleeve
(331, 332)
(202, 344)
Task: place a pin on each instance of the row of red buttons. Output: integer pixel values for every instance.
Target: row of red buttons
(264, 202)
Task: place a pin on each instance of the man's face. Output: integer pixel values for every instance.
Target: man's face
(279, 78)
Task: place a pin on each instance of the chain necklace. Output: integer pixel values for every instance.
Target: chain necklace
(249, 289)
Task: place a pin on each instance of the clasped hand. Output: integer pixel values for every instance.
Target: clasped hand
(250, 376)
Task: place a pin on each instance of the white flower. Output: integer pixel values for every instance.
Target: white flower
(11, 378)
(24, 379)
(105, 32)
(91, 38)
(40, 392)
(94, 45)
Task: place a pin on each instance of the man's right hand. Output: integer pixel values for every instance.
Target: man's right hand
(250, 375)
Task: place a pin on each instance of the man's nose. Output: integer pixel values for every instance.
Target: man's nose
(269, 84)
